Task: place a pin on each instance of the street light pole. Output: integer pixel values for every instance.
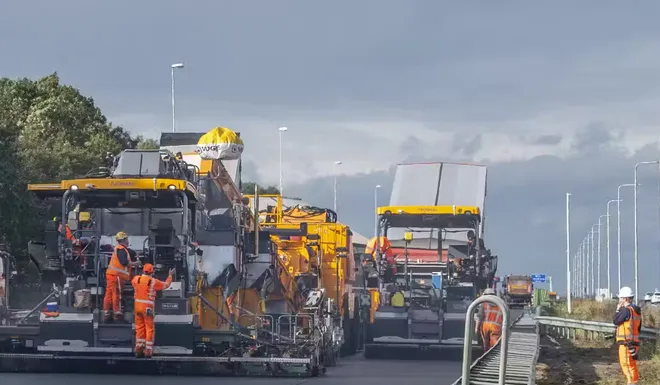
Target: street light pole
(618, 230)
(635, 225)
(174, 67)
(281, 130)
(593, 260)
(337, 163)
(609, 271)
(590, 250)
(568, 252)
(376, 210)
(600, 273)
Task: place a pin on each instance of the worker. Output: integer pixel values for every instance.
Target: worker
(489, 325)
(68, 232)
(116, 275)
(398, 300)
(628, 322)
(146, 286)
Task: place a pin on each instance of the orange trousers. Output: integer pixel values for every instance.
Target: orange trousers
(490, 333)
(112, 299)
(628, 365)
(144, 331)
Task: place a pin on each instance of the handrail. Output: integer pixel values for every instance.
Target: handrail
(469, 336)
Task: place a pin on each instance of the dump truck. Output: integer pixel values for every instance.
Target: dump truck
(429, 247)
(518, 290)
(184, 212)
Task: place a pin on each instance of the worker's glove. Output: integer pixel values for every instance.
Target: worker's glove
(150, 312)
(633, 352)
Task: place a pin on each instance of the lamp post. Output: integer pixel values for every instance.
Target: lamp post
(609, 271)
(600, 273)
(635, 225)
(281, 130)
(337, 163)
(568, 252)
(618, 230)
(174, 67)
(376, 210)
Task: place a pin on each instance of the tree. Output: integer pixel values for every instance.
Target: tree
(248, 188)
(59, 132)
(48, 132)
(147, 144)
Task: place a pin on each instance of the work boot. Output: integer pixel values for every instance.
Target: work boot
(119, 318)
(107, 317)
(139, 353)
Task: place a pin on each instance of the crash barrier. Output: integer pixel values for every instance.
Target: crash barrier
(521, 355)
(568, 328)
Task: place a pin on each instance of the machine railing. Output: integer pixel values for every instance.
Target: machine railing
(521, 357)
(469, 336)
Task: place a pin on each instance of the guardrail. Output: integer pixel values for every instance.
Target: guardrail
(567, 328)
(512, 360)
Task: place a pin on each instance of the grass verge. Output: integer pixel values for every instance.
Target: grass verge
(583, 361)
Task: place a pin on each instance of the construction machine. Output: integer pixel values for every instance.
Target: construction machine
(322, 259)
(180, 212)
(518, 290)
(429, 248)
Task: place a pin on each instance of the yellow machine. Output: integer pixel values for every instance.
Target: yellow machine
(322, 258)
(436, 288)
(182, 212)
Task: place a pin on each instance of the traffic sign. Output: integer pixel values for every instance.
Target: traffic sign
(538, 278)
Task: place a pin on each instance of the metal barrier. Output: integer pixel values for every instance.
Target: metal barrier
(567, 328)
(469, 336)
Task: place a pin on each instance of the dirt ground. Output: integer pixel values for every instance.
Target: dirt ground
(591, 363)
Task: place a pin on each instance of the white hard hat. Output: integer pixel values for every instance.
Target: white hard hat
(626, 292)
(489, 291)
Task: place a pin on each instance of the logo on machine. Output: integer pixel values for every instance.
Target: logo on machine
(121, 183)
(170, 305)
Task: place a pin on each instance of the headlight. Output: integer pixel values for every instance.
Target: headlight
(74, 187)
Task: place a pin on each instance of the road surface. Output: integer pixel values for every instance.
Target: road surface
(351, 370)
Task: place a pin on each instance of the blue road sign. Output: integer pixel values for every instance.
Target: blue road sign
(538, 278)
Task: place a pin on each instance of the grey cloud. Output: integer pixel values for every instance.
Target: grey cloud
(594, 137)
(545, 140)
(445, 60)
(465, 145)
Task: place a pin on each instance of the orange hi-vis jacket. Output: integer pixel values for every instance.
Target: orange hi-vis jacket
(492, 315)
(146, 288)
(69, 234)
(115, 268)
(628, 332)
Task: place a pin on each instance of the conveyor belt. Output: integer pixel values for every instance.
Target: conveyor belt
(522, 356)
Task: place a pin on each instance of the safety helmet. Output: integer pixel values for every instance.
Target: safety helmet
(121, 236)
(626, 292)
(148, 268)
(489, 291)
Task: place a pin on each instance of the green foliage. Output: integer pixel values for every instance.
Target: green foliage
(248, 188)
(48, 132)
(147, 144)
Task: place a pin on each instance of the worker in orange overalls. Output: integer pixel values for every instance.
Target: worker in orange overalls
(146, 286)
(628, 322)
(116, 275)
(68, 232)
(490, 324)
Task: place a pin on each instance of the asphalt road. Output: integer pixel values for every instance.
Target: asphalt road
(351, 370)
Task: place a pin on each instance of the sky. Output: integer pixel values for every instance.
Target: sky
(552, 96)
